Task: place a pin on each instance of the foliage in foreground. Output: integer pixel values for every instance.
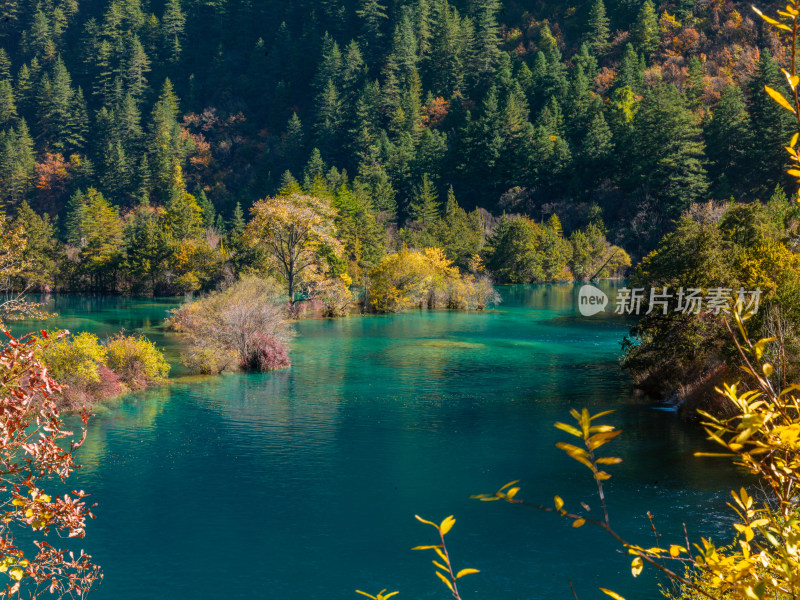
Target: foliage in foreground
(92, 371)
(35, 447)
(242, 327)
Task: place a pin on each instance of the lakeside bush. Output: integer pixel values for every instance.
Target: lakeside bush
(242, 327)
(729, 246)
(92, 371)
(136, 360)
(413, 279)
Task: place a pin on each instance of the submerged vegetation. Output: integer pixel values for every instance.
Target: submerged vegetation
(91, 371)
(242, 327)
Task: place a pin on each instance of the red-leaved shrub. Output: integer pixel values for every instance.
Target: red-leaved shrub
(268, 354)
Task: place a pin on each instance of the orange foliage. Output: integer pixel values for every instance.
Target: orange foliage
(435, 114)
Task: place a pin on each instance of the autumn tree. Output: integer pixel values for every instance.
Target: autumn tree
(297, 230)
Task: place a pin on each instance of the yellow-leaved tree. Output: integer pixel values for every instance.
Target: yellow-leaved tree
(298, 232)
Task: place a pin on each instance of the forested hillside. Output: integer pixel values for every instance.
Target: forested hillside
(621, 113)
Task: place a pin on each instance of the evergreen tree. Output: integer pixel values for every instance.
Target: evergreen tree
(486, 52)
(599, 33)
(769, 122)
(172, 27)
(425, 206)
(728, 141)
(183, 217)
(8, 108)
(645, 33)
(667, 155)
(372, 15)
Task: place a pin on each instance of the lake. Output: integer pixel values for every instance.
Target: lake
(305, 483)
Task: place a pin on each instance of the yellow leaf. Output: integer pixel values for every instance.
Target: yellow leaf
(365, 594)
(778, 97)
(578, 523)
(795, 138)
(511, 493)
(421, 520)
(569, 429)
(446, 581)
(793, 172)
(442, 555)
(675, 551)
(636, 566)
(424, 547)
(441, 566)
(771, 21)
(508, 485)
(559, 502)
(389, 595)
(614, 595)
(463, 572)
(447, 524)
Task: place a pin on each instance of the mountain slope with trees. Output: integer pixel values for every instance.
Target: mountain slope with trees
(154, 126)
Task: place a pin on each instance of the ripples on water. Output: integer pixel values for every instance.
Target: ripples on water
(304, 483)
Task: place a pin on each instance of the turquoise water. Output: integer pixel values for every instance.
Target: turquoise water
(304, 483)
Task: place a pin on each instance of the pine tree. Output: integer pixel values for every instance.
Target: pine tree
(40, 253)
(329, 116)
(631, 70)
(292, 142)
(71, 232)
(315, 169)
(769, 122)
(104, 73)
(183, 217)
(645, 33)
(728, 140)
(599, 32)
(172, 27)
(137, 65)
(372, 15)
(207, 209)
(5, 65)
(695, 82)
(8, 108)
(425, 206)
(667, 154)
(486, 40)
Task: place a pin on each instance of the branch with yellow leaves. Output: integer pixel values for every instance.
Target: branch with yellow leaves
(595, 436)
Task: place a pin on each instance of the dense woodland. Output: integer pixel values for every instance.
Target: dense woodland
(142, 132)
